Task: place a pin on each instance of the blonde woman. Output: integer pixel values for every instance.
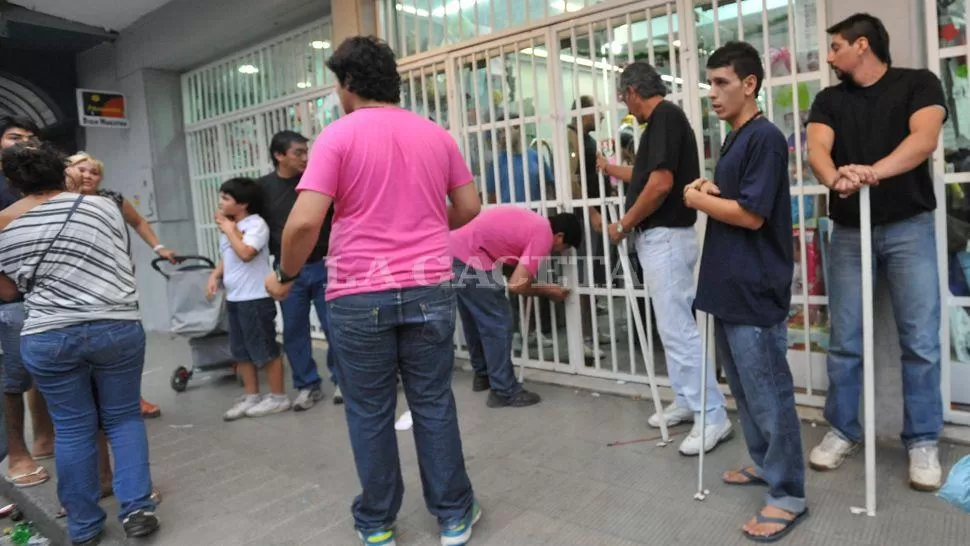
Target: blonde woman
(84, 175)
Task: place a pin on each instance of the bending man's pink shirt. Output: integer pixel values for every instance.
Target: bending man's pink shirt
(389, 172)
(504, 235)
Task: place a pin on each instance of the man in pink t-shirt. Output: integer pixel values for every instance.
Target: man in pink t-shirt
(504, 236)
(388, 173)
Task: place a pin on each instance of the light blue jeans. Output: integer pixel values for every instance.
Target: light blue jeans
(668, 256)
(907, 252)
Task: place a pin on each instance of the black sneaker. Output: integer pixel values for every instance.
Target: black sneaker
(93, 541)
(481, 383)
(140, 523)
(520, 399)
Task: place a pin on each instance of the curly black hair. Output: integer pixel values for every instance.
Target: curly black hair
(365, 66)
(33, 168)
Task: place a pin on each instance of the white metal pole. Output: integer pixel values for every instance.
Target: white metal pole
(868, 373)
(631, 296)
(701, 492)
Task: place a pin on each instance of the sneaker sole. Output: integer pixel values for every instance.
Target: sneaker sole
(300, 407)
(268, 414)
(825, 468)
(144, 531)
(723, 439)
(671, 424)
(924, 488)
(471, 528)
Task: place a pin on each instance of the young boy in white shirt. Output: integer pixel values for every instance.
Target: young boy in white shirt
(243, 245)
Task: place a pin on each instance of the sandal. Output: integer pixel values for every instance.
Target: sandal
(751, 478)
(17, 480)
(149, 410)
(789, 524)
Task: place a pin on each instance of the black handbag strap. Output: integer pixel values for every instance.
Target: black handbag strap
(30, 282)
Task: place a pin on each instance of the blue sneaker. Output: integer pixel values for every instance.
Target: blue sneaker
(458, 534)
(381, 537)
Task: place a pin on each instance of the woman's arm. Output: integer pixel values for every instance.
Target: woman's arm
(144, 230)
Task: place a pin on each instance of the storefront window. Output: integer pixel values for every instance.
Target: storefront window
(417, 26)
(952, 22)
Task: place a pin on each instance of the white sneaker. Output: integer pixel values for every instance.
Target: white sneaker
(338, 397)
(673, 415)
(307, 398)
(831, 453)
(404, 422)
(713, 435)
(269, 405)
(243, 404)
(925, 473)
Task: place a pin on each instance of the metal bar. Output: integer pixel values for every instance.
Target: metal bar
(769, 91)
(868, 359)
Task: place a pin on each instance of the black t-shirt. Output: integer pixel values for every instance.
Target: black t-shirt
(280, 198)
(869, 123)
(589, 148)
(745, 275)
(668, 143)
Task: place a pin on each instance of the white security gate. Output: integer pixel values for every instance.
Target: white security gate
(521, 94)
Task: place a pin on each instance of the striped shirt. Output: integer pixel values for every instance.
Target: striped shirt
(87, 274)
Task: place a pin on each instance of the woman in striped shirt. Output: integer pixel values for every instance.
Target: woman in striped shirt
(82, 340)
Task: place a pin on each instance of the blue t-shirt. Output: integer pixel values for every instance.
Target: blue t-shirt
(746, 275)
(518, 172)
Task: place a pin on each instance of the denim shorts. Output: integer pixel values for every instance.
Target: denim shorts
(252, 331)
(16, 378)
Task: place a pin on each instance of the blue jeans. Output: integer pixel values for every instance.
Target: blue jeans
(907, 251)
(668, 256)
(16, 380)
(487, 320)
(755, 363)
(379, 335)
(308, 288)
(91, 373)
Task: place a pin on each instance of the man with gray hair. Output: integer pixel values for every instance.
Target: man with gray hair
(663, 233)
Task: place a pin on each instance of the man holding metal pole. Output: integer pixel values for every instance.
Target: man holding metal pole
(879, 128)
(745, 284)
(666, 245)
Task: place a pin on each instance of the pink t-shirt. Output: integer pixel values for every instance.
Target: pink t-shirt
(504, 234)
(389, 172)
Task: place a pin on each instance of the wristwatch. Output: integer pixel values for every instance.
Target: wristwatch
(619, 228)
(283, 278)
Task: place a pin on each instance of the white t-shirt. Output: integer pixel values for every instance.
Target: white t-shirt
(244, 281)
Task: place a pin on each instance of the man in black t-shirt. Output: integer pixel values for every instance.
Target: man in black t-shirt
(666, 244)
(745, 284)
(879, 128)
(288, 150)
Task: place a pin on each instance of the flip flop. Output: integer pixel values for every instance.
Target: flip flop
(789, 524)
(38, 472)
(44, 457)
(753, 479)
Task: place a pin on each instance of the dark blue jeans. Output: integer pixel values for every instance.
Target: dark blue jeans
(907, 252)
(487, 320)
(755, 362)
(91, 373)
(379, 335)
(308, 288)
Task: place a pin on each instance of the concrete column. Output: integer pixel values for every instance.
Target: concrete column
(353, 18)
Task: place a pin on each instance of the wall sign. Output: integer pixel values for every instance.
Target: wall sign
(101, 109)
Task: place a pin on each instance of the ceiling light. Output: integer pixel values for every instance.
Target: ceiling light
(320, 44)
(304, 85)
(248, 69)
(412, 10)
(676, 43)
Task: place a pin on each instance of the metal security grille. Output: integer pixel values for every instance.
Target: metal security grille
(234, 106)
(522, 95)
(948, 51)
